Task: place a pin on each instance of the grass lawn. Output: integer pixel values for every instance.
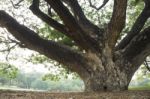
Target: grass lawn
(140, 88)
(21, 89)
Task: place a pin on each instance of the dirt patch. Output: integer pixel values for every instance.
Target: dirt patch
(74, 95)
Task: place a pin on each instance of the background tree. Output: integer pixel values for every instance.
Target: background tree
(7, 73)
(99, 57)
(7, 70)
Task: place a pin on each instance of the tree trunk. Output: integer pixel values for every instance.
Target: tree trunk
(109, 73)
(107, 82)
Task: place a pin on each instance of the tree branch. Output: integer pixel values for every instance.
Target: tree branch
(17, 5)
(139, 48)
(64, 14)
(82, 20)
(71, 28)
(80, 37)
(117, 21)
(77, 10)
(73, 60)
(9, 48)
(147, 65)
(35, 9)
(98, 8)
(136, 28)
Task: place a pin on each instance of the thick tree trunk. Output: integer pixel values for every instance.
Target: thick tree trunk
(109, 74)
(107, 82)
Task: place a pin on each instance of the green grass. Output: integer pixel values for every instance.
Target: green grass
(140, 88)
(12, 88)
(16, 88)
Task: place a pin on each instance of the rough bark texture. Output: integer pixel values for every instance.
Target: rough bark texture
(101, 64)
(75, 95)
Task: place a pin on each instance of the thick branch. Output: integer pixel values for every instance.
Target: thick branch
(73, 60)
(35, 9)
(117, 22)
(77, 10)
(137, 27)
(64, 14)
(80, 37)
(139, 48)
(82, 20)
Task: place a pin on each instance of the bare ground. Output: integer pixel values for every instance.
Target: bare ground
(7, 94)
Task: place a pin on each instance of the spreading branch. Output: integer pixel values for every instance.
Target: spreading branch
(84, 41)
(117, 21)
(10, 44)
(17, 5)
(35, 9)
(146, 63)
(76, 9)
(9, 48)
(139, 48)
(64, 14)
(98, 8)
(80, 37)
(82, 20)
(137, 27)
(49, 48)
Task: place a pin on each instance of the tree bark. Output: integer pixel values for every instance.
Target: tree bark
(109, 76)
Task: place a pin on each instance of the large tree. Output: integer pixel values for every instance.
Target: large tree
(102, 62)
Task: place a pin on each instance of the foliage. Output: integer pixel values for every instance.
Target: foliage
(33, 81)
(7, 70)
(40, 85)
(141, 79)
(56, 72)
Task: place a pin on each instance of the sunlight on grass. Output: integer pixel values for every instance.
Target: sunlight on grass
(139, 88)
